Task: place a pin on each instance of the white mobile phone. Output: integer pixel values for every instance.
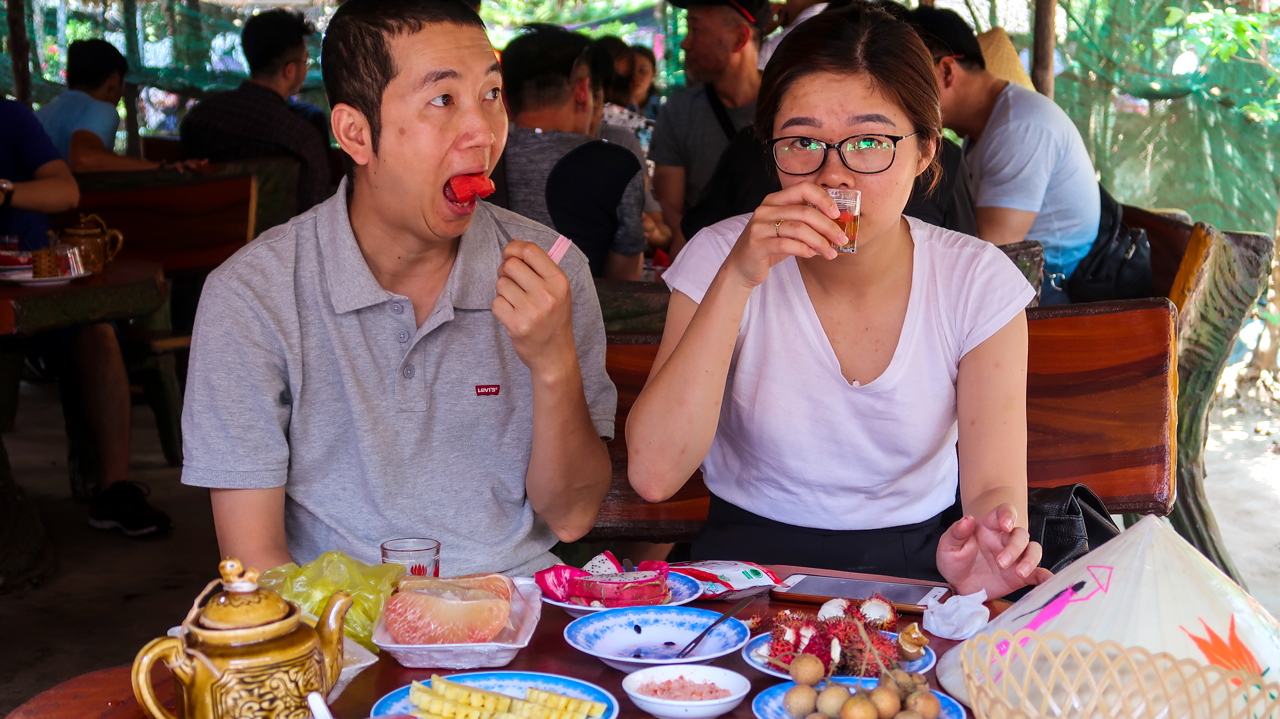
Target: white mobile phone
(906, 596)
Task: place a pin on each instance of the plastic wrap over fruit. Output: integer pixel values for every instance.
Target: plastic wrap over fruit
(311, 585)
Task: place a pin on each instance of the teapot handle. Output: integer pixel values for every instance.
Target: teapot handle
(113, 236)
(170, 650)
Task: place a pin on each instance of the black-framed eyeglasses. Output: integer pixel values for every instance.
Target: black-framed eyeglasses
(864, 154)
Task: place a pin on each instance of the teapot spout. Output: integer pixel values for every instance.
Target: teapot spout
(329, 627)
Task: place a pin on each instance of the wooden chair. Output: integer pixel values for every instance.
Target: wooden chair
(1101, 401)
(1101, 394)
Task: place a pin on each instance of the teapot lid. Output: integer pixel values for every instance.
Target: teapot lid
(89, 222)
(242, 604)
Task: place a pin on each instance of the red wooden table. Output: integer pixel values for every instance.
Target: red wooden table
(108, 693)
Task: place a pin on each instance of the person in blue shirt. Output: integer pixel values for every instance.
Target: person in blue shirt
(35, 181)
(82, 121)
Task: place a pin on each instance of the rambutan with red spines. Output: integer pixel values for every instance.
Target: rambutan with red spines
(877, 612)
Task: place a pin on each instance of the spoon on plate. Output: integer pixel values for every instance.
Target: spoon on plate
(698, 639)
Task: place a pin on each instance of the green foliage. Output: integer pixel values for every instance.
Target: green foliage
(504, 17)
(1226, 34)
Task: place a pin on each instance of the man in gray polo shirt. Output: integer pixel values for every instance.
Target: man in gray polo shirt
(394, 362)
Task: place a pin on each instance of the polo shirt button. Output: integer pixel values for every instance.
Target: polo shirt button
(408, 371)
(402, 336)
(397, 308)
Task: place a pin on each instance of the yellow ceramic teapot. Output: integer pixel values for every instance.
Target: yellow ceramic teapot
(246, 653)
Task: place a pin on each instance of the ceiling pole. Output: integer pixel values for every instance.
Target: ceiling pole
(1043, 37)
(19, 50)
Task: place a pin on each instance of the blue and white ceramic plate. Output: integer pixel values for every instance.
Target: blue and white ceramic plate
(633, 638)
(512, 684)
(768, 703)
(683, 590)
(758, 648)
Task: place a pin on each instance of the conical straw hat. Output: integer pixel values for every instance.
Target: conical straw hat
(1146, 588)
(1002, 57)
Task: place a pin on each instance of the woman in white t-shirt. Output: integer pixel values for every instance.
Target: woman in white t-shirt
(863, 412)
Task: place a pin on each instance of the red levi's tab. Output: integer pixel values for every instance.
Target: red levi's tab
(469, 187)
(487, 389)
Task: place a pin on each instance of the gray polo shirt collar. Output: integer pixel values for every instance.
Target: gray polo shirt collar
(352, 286)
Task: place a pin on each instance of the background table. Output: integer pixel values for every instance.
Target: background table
(124, 289)
(108, 694)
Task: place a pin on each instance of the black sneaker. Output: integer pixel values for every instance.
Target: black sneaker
(123, 506)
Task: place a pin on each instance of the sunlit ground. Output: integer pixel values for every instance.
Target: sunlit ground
(1242, 480)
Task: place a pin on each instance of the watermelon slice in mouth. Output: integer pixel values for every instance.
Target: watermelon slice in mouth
(464, 189)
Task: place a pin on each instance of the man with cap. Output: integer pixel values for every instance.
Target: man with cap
(722, 48)
(1032, 175)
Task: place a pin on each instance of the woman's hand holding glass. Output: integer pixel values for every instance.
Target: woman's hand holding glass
(990, 553)
(798, 221)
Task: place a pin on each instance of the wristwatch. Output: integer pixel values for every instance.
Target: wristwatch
(7, 188)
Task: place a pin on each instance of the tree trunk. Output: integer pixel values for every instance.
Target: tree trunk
(1043, 38)
(134, 56)
(19, 50)
(1264, 355)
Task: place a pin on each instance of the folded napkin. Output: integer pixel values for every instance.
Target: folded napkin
(959, 618)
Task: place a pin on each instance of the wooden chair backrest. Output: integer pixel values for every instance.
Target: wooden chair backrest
(183, 227)
(625, 515)
(161, 149)
(1170, 237)
(1101, 397)
(1102, 401)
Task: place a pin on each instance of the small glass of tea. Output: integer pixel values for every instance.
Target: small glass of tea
(849, 202)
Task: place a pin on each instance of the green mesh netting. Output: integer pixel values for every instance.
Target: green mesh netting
(1162, 119)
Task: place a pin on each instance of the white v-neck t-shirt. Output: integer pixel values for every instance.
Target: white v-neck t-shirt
(796, 442)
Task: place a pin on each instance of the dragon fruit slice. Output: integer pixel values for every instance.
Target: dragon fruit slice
(623, 589)
(604, 563)
(554, 580)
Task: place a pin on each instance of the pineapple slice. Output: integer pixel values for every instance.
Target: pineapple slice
(562, 702)
(470, 696)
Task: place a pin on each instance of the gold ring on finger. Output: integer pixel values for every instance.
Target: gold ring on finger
(776, 226)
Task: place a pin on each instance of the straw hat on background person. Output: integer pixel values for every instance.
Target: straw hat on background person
(1002, 58)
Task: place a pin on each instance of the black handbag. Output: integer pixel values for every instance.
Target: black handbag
(1068, 522)
(1118, 266)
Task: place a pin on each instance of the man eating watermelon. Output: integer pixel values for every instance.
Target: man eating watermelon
(404, 359)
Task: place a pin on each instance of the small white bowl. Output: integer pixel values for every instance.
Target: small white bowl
(737, 684)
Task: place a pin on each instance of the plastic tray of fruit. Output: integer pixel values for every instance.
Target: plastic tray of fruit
(526, 609)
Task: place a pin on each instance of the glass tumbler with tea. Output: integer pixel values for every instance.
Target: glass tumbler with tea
(849, 202)
(419, 556)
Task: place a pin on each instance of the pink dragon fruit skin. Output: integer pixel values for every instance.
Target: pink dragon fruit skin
(662, 568)
(625, 589)
(603, 563)
(554, 580)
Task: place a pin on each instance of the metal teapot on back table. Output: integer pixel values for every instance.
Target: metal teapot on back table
(246, 653)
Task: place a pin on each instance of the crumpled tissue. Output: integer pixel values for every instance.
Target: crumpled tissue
(958, 618)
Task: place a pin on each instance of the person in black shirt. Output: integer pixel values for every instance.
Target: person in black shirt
(553, 171)
(258, 119)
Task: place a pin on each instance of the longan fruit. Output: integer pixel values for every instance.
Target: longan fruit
(800, 701)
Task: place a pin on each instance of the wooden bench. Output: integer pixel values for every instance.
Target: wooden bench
(1101, 397)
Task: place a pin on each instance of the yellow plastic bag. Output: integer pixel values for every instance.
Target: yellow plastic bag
(310, 587)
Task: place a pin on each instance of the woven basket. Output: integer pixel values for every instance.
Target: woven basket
(1028, 675)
